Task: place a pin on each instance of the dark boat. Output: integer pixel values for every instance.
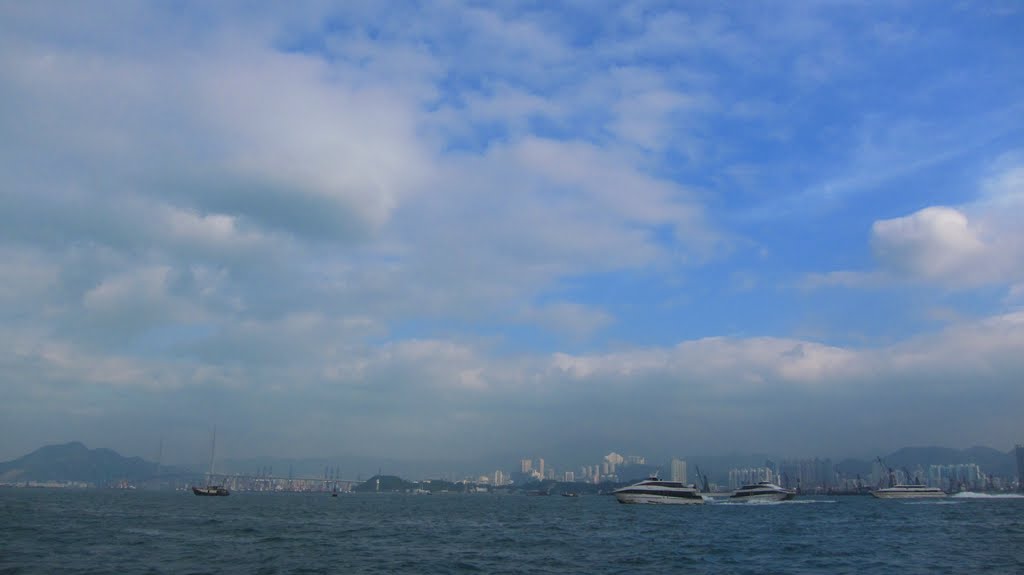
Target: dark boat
(211, 490)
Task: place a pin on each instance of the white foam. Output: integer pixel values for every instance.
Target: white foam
(974, 495)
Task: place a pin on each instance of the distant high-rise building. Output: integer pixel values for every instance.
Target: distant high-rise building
(678, 470)
(614, 458)
(526, 465)
(569, 477)
(748, 476)
(955, 477)
(807, 474)
(1019, 451)
(540, 466)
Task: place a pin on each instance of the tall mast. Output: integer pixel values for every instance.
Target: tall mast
(213, 449)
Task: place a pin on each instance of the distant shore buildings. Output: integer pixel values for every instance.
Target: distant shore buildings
(1018, 450)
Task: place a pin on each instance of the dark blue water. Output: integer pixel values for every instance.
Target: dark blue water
(60, 531)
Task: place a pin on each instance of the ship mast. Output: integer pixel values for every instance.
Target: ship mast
(213, 450)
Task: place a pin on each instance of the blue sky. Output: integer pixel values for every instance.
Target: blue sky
(467, 230)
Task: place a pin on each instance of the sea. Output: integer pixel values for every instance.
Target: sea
(123, 531)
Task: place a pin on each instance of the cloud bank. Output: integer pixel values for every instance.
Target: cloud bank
(472, 231)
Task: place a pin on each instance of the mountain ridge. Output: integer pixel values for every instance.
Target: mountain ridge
(73, 461)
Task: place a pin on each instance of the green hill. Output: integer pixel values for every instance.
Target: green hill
(383, 483)
(75, 462)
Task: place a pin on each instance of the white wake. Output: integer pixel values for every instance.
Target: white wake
(974, 495)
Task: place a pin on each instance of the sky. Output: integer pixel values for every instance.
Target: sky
(464, 230)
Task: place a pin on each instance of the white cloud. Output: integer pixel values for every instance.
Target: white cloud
(288, 208)
(646, 109)
(1005, 186)
(28, 275)
(576, 320)
(285, 122)
(935, 243)
(723, 365)
(208, 231)
(976, 244)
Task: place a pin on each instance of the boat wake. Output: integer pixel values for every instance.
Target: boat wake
(974, 495)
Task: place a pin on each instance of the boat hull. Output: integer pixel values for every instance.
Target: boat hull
(212, 491)
(654, 499)
(883, 494)
(778, 496)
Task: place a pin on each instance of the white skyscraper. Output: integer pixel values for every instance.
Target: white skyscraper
(678, 470)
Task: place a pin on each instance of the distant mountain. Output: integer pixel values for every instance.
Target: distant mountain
(716, 467)
(383, 483)
(989, 460)
(75, 462)
(347, 466)
(854, 467)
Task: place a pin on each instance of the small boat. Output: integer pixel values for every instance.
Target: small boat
(569, 494)
(214, 490)
(762, 491)
(908, 492)
(655, 491)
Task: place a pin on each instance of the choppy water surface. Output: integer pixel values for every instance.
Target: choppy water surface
(58, 531)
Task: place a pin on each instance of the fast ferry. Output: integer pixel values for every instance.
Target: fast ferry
(762, 491)
(908, 492)
(654, 490)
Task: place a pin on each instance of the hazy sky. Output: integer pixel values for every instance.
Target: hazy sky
(456, 230)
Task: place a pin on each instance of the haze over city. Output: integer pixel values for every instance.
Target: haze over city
(468, 231)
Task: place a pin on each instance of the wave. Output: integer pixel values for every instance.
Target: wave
(975, 495)
(143, 531)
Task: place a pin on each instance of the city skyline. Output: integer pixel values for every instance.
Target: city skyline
(465, 230)
(74, 465)
(936, 467)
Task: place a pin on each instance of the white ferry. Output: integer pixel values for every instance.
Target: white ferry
(762, 491)
(908, 492)
(654, 490)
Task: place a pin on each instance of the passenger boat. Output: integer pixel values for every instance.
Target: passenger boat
(908, 492)
(762, 491)
(654, 490)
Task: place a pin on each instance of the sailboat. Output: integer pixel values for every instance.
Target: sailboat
(210, 489)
